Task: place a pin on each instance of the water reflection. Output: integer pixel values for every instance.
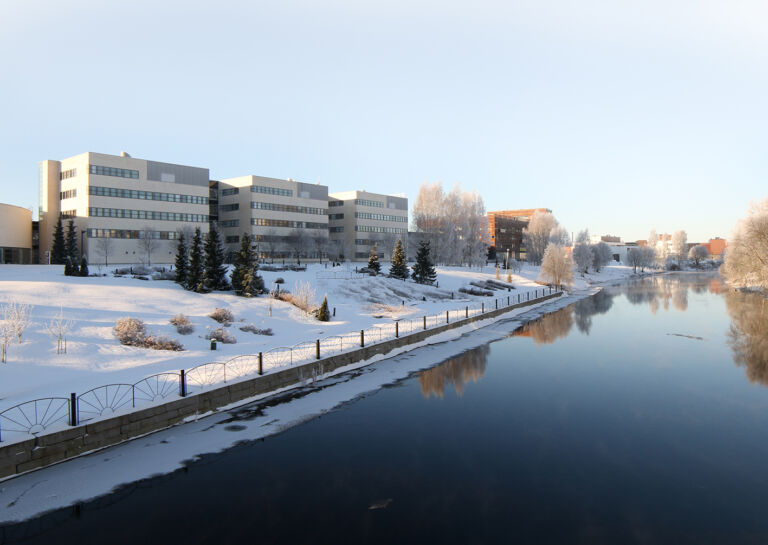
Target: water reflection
(748, 334)
(669, 291)
(457, 371)
(583, 310)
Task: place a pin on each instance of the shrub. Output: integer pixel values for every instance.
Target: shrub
(162, 343)
(222, 315)
(322, 313)
(130, 331)
(164, 275)
(221, 335)
(183, 325)
(250, 328)
(473, 291)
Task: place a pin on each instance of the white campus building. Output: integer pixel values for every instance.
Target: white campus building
(126, 210)
(358, 219)
(287, 219)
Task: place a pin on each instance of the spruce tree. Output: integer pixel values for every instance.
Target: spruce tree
(83, 267)
(373, 260)
(58, 253)
(245, 278)
(423, 270)
(182, 260)
(70, 249)
(194, 280)
(322, 313)
(215, 272)
(398, 269)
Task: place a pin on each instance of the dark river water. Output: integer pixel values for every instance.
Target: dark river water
(639, 415)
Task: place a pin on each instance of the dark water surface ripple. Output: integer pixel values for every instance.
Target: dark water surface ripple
(639, 415)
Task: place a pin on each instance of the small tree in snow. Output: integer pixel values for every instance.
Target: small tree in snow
(556, 266)
(6, 336)
(215, 272)
(398, 268)
(582, 252)
(423, 270)
(697, 254)
(147, 243)
(104, 248)
(70, 248)
(59, 251)
(322, 313)
(601, 255)
(373, 259)
(182, 260)
(194, 280)
(19, 315)
(58, 328)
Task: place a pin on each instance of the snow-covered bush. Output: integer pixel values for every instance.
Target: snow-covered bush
(164, 275)
(183, 325)
(474, 291)
(133, 332)
(222, 315)
(250, 328)
(302, 298)
(221, 335)
(162, 343)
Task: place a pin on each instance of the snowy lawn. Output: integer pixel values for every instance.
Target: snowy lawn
(94, 356)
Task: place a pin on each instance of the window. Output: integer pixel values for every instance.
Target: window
(98, 212)
(230, 191)
(336, 216)
(335, 203)
(67, 194)
(129, 233)
(272, 190)
(264, 222)
(366, 202)
(229, 207)
(232, 238)
(288, 208)
(380, 217)
(66, 214)
(337, 229)
(111, 171)
(229, 223)
(145, 195)
(66, 174)
(377, 229)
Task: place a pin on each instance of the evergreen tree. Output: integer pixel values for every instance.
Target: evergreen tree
(83, 267)
(215, 272)
(322, 313)
(182, 260)
(194, 280)
(373, 260)
(423, 270)
(245, 278)
(398, 269)
(70, 249)
(59, 253)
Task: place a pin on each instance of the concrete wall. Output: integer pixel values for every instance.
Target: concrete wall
(47, 449)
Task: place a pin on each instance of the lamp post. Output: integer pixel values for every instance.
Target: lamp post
(82, 244)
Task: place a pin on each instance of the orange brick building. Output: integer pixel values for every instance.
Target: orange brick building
(505, 228)
(716, 247)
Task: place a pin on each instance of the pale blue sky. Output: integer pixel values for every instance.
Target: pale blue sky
(619, 116)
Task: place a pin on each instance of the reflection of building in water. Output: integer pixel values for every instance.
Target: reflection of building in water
(748, 335)
(716, 285)
(659, 292)
(457, 371)
(548, 328)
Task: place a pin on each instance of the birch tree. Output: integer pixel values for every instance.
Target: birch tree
(542, 229)
(746, 261)
(680, 245)
(556, 266)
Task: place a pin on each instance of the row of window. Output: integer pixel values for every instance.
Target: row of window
(335, 216)
(366, 202)
(377, 229)
(67, 214)
(289, 208)
(232, 238)
(264, 222)
(229, 223)
(359, 255)
(111, 171)
(272, 190)
(128, 233)
(339, 229)
(230, 191)
(335, 203)
(229, 207)
(146, 215)
(66, 174)
(145, 195)
(380, 217)
(68, 194)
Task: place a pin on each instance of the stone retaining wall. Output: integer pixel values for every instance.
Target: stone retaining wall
(50, 448)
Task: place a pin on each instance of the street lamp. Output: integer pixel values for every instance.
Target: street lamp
(82, 244)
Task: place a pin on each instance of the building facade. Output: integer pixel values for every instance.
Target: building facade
(359, 219)
(286, 219)
(15, 234)
(125, 210)
(505, 228)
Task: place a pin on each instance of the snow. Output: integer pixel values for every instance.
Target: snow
(94, 357)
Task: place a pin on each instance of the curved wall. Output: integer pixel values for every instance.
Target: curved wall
(15, 234)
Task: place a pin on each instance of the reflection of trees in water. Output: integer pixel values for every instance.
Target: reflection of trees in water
(660, 292)
(457, 371)
(583, 310)
(549, 328)
(748, 334)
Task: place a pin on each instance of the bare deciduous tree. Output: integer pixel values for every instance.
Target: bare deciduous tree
(147, 243)
(104, 248)
(58, 328)
(601, 255)
(680, 245)
(746, 262)
(635, 258)
(538, 235)
(697, 254)
(582, 252)
(556, 266)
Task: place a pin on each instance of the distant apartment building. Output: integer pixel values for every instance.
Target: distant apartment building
(285, 218)
(505, 228)
(16, 236)
(126, 210)
(359, 219)
(716, 247)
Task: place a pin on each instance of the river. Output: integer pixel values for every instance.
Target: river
(637, 415)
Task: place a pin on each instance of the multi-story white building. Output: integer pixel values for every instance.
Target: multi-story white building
(126, 210)
(358, 219)
(286, 218)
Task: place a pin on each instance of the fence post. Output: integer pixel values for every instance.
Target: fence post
(362, 338)
(317, 348)
(72, 409)
(397, 330)
(425, 323)
(497, 304)
(466, 312)
(261, 361)
(528, 296)
(507, 300)
(482, 307)
(182, 383)
(446, 317)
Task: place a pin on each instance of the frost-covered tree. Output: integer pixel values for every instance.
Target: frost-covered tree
(601, 255)
(746, 262)
(582, 252)
(182, 260)
(194, 281)
(697, 254)
(373, 259)
(147, 243)
(214, 271)
(245, 277)
(647, 258)
(556, 266)
(59, 250)
(423, 270)
(635, 258)
(536, 236)
(58, 328)
(104, 247)
(680, 245)
(398, 268)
